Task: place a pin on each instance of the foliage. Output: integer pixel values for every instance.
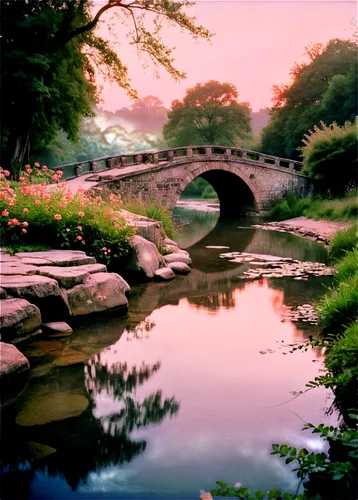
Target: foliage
(322, 89)
(153, 211)
(347, 266)
(343, 241)
(199, 188)
(34, 214)
(209, 114)
(330, 156)
(335, 209)
(49, 81)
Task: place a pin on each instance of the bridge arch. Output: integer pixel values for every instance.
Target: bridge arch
(236, 191)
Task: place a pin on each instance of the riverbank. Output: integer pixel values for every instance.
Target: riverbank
(317, 230)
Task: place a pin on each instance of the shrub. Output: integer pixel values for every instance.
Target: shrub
(154, 211)
(209, 193)
(36, 214)
(338, 308)
(344, 241)
(288, 207)
(330, 156)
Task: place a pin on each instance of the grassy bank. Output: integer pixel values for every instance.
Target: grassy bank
(334, 209)
(332, 475)
(156, 212)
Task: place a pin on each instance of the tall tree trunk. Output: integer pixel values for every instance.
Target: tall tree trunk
(18, 147)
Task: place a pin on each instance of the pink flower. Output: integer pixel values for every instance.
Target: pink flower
(44, 167)
(104, 249)
(59, 173)
(26, 209)
(81, 214)
(15, 222)
(5, 213)
(109, 250)
(107, 214)
(36, 164)
(79, 228)
(43, 183)
(24, 231)
(46, 197)
(2, 194)
(54, 177)
(6, 173)
(134, 229)
(79, 237)
(38, 202)
(22, 179)
(58, 216)
(29, 170)
(63, 205)
(25, 224)
(9, 223)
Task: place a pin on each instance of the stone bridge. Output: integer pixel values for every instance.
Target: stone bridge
(245, 181)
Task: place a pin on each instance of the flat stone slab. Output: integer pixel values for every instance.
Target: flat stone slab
(93, 268)
(177, 257)
(70, 357)
(179, 267)
(41, 348)
(12, 361)
(67, 277)
(52, 407)
(34, 286)
(60, 257)
(11, 268)
(164, 273)
(99, 292)
(56, 329)
(18, 318)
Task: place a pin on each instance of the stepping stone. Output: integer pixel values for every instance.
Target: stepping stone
(70, 357)
(177, 257)
(57, 329)
(12, 361)
(32, 286)
(60, 257)
(67, 277)
(18, 318)
(11, 268)
(164, 273)
(179, 267)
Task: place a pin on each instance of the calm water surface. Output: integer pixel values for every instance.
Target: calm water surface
(194, 385)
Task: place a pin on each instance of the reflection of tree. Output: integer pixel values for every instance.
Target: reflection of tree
(141, 331)
(86, 444)
(214, 302)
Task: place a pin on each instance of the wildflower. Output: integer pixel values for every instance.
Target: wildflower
(134, 229)
(5, 213)
(2, 194)
(6, 173)
(25, 224)
(58, 217)
(36, 164)
(54, 177)
(107, 214)
(44, 167)
(22, 179)
(59, 173)
(109, 250)
(38, 202)
(104, 249)
(15, 222)
(46, 197)
(63, 205)
(79, 228)
(81, 214)
(43, 183)
(26, 210)
(79, 238)
(68, 229)
(9, 223)
(24, 231)
(29, 170)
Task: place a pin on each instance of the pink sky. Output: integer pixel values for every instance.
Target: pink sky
(255, 45)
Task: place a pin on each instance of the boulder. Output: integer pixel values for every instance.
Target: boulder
(12, 360)
(18, 318)
(57, 329)
(164, 273)
(145, 256)
(10, 268)
(177, 257)
(99, 292)
(179, 267)
(67, 277)
(52, 407)
(59, 257)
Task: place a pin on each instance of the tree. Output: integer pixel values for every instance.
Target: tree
(52, 56)
(209, 114)
(323, 89)
(330, 157)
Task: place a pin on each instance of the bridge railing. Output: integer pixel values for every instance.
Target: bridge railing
(72, 170)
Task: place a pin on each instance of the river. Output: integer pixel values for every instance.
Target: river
(193, 385)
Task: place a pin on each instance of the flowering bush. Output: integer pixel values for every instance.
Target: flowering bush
(39, 175)
(54, 216)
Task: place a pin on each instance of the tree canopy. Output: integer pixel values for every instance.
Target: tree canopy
(209, 114)
(52, 55)
(323, 89)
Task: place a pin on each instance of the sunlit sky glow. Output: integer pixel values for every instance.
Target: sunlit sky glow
(255, 45)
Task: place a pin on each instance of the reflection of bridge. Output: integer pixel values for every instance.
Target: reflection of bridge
(244, 180)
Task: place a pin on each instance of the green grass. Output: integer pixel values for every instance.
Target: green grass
(347, 266)
(26, 248)
(338, 308)
(335, 209)
(156, 212)
(344, 241)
